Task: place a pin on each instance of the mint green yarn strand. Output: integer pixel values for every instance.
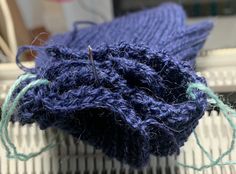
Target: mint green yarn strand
(202, 148)
(24, 157)
(6, 103)
(8, 97)
(228, 113)
(213, 162)
(9, 146)
(14, 105)
(13, 87)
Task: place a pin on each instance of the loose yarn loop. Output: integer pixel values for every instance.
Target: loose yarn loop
(8, 108)
(228, 113)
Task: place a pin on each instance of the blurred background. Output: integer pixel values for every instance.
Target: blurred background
(33, 21)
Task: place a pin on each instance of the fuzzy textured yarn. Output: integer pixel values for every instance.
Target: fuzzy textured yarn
(129, 99)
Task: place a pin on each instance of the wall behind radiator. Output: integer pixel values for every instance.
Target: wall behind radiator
(91, 10)
(31, 11)
(59, 17)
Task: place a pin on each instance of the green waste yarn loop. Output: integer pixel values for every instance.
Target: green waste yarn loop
(9, 108)
(228, 113)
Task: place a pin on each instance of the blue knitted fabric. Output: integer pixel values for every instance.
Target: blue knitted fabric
(131, 101)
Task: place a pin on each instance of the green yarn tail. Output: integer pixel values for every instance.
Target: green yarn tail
(8, 108)
(228, 114)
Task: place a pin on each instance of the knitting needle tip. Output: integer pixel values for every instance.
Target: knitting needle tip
(92, 62)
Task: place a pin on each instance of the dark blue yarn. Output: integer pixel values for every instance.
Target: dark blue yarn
(136, 104)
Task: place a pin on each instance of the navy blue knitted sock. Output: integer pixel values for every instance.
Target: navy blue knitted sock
(131, 100)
